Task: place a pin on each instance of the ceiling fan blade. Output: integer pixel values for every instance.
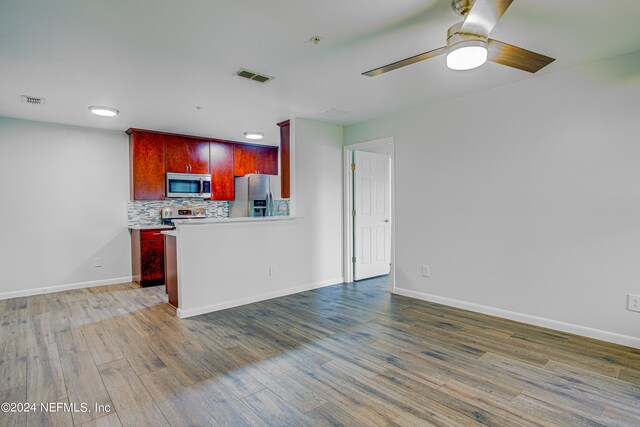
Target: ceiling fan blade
(484, 16)
(405, 62)
(516, 57)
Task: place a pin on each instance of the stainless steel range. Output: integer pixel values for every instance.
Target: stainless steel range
(181, 212)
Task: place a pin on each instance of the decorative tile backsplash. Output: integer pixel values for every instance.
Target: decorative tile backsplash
(281, 207)
(147, 212)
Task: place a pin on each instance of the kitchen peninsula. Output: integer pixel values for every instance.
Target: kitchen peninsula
(214, 264)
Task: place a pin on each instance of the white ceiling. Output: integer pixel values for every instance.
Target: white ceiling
(155, 60)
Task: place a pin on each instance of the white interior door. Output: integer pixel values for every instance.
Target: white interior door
(371, 220)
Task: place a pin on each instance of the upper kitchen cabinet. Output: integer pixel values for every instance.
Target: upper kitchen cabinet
(222, 183)
(268, 160)
(255, 159)
(244, 160)
(146, 161)
(186, 155)
(285, 159)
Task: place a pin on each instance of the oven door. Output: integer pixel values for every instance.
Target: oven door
(187, 185)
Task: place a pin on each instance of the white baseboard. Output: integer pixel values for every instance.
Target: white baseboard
(584, 331)
(183, 314)
(68, 287)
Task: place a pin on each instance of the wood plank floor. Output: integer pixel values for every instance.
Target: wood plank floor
(341, 355)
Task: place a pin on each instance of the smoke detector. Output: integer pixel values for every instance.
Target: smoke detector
(252, 75)
(33, 100)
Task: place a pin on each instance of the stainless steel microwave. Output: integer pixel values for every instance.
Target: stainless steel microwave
(188, 185)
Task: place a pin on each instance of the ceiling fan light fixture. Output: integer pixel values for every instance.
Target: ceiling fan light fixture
(467, 55)
(468, 42)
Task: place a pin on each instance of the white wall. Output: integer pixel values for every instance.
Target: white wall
(525, 197)
(226, 265)
(63, 191)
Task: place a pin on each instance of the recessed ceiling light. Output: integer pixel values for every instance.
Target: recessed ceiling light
(103, 111)
(254, 135)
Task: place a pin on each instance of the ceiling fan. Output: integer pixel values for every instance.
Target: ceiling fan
(468, 43)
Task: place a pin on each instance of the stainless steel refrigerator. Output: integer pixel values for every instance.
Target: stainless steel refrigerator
(255, 195)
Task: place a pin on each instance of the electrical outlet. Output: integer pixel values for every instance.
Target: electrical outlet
(272, 270)
(634, 302)
(97, 261)
(426, 270)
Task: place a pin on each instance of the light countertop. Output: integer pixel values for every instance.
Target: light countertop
(150, 227)
(195, 222)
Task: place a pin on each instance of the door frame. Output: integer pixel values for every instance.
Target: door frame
(348, 206)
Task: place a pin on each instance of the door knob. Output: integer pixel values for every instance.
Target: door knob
(386, 220)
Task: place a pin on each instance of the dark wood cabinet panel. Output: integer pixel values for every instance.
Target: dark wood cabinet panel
(221, 161)
(152, 260)
(147, 159)
(171, 269)
(198, 154)
(285, 159)
(244, 160)
(147, 252)
(151, 235)
(254, 159)
(186, 155)
(177, 154)
(267, 160)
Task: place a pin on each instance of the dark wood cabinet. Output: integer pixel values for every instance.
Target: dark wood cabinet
(267, 160)
(153, 154)
(221, 161)
(244, 160)
(146, 162)
(147, 251)
(285, 159)
(255, 159)
(187, 155)
(171, 269)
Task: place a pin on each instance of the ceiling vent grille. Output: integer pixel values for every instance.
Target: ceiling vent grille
(33, 100)
(252, 75)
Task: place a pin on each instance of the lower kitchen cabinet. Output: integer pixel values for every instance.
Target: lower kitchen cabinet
(147, 252)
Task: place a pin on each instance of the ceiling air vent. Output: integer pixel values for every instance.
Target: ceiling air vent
(33, 100)
(252, 75)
